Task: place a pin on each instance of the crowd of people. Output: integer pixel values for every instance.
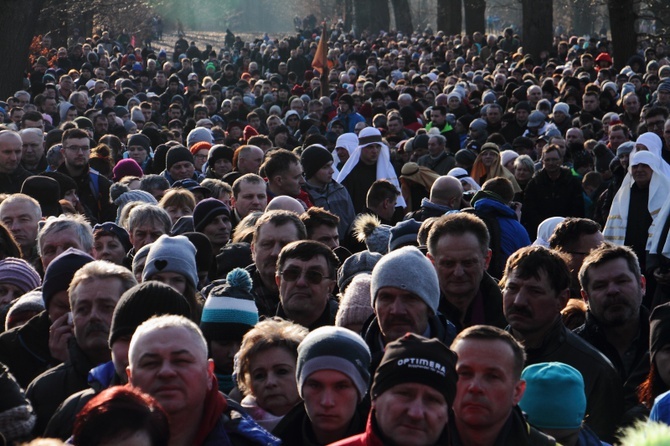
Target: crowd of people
(421, 240)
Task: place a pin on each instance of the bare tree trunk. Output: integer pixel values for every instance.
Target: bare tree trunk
(403, 16)
(449, 16)
(371, 15)
(622, 23)
(583, 17)
(18, 22)
(475, 16)
(538, 25)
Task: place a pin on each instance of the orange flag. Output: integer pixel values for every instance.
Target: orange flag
(320, 62)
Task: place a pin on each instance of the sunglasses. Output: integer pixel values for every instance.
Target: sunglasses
(312, 277)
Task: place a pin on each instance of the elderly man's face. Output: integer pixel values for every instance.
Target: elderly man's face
(400, 312)
(169, 365)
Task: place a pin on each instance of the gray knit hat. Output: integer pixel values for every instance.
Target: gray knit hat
(409, 270)
(172, 254)
(358, 263)
(334, 348)
(199, 134)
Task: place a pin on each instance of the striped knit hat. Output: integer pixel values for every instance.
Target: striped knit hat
(230, 310)
(334, 348)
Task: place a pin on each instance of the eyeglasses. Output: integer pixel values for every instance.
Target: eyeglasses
(311, 276)
(75, 149)
(200, 157)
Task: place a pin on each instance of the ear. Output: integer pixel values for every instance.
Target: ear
(129, 374)
(585, 295)
(487, 260)
(519, 390)
(253, 251)
(430, 257)
(643, 284)
(277, 280)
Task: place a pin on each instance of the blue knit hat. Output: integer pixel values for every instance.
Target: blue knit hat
(172, 254)
(230, 310)
(334, 348)
(408, 269)
(554, 396)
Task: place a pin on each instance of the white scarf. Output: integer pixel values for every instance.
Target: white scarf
(385, 170)
(617, 221)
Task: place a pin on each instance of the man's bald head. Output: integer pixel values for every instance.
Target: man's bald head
(286, 203)
(446, 191)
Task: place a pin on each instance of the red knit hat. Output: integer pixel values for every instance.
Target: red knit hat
(248, 132)
(199, 146)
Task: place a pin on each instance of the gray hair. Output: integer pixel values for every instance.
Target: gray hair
(68, 221)
(143, 213)
(22, 198)
(161, 323)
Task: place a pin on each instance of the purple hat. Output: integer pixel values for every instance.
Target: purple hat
(126, 167)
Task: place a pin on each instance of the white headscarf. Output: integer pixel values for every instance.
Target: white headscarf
(546, 230)
(462, 175)
(385, 170)
(617, 221)
(347, 140)
(653, 144)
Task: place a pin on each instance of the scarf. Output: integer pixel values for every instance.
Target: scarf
(653, 144)
(385, 170)
(496, 170)
(215, 404)
(617, 220)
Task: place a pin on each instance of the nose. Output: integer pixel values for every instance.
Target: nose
(271, 380)
(415, 409)
(458, 270)
(327, 399)
(397, 306)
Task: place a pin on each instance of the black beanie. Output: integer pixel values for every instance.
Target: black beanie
(218, 152)
(159, 158)
(415, 359)
(60, 272)
(177, 154)
(143, 301)
(314, 158)
(46, 191)
(206, 211)
(140, 140)
(204, 255)
(65, 182)
(659, 329)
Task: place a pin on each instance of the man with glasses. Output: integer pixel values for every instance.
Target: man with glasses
(654, 120)
(92, 188)
(306, 276)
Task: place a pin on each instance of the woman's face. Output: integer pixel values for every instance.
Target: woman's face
(176, 212)
(108, 247)
(272, 380)
(522, 172)
(488, 157)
